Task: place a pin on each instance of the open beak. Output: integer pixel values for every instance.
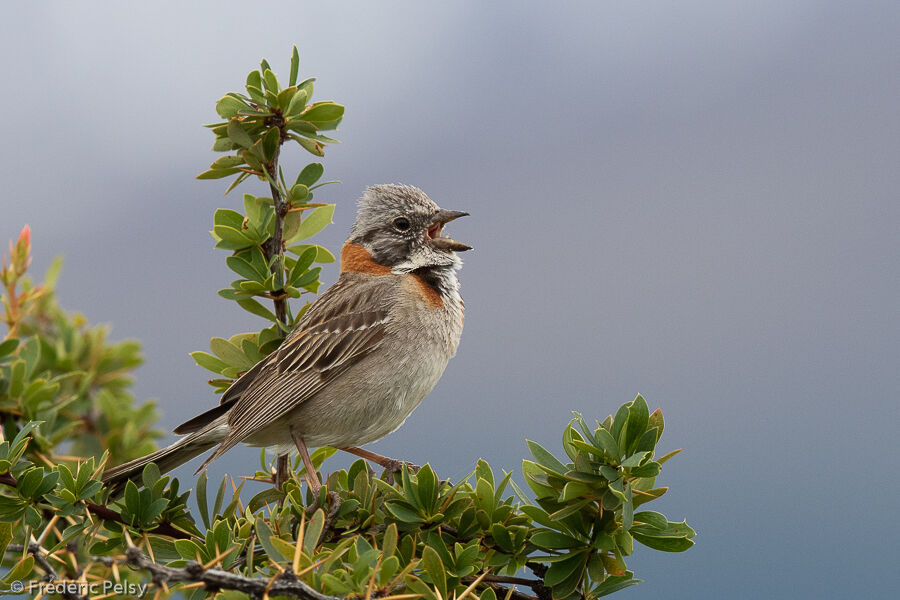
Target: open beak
(433, 234)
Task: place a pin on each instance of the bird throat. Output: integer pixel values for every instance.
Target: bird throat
(439, 283)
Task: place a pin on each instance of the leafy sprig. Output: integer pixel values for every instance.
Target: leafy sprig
(269, 242)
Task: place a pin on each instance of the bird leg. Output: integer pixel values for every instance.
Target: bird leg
(281, 471)
(392, 465)
(311, 477)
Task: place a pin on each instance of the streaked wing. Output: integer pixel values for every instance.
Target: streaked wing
(334, 334)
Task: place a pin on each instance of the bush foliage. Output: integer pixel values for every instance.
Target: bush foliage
(67, 413)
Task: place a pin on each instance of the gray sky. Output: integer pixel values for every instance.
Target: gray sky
(697, 201)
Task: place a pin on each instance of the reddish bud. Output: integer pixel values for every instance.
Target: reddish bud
(19, 256)
(25, 236)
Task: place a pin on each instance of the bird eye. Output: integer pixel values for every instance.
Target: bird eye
(401, 223)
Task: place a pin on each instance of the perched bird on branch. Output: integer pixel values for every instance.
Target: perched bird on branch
(361, 358)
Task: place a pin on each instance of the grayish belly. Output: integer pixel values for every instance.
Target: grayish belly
(369, 401)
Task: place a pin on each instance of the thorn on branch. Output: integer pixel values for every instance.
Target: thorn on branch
(50, 574)
(285, 584)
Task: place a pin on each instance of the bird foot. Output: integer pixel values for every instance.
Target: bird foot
(395, 466)
(333, 499)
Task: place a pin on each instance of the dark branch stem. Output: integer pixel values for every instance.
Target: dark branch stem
(275, 244)
(108, 514)
(50, 574)
(496, 582)
(285, 584)
(511, 580)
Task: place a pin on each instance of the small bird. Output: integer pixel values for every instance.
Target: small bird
(361, 358)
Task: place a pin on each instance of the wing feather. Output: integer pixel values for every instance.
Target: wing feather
(333, 335)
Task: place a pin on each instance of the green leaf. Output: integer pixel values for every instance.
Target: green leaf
(314, 222)
(291, 224)
(323, 112)
(644, 496)
(313, 532)
(607, 443)
(570, 435)
(228, 106)
(270, 81)
(668, 455)
(307, 279)
(650, 469)
(627, 508)
(571, 509)
(638, 416)
(483, 471)
(635, 459)
(270, 143)
(255, 308)
(559, 571)
(311, 146)
(322, 254)
(265, 535)
(389, 542)
(246, 270)
(484, 496)
(17, 379)
(319, 138)
(671, 529)
(304, 261)
(539, 516)
(307, 86)
(209, 362)
(21, 570)
(533, 478)
(30, 482)
(285, 96)
(295, 66)
(554, 540)
(227, 162)
(651, 518)
(254, 78)
(230, 353)
(545, 458)
(619, 421)
(614, 583)
(30, 352)
(8, 346)
(575, 489)
(299, 193)
(239, 135)
(5, 537)
(257, 94)
(200, 496)
(297, 104)
(647, 441)
(267, 496)
(300, 126)
(403, 513)
(665, 544)
(435, 569)
(427, 488)
(656, 420)
(310, 174)
(190, 550)
(234, 236)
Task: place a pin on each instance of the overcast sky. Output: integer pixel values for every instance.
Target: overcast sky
(697, 201)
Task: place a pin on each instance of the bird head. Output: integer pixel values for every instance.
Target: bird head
(402, 228)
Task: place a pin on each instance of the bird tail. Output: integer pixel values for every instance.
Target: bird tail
(166, 459)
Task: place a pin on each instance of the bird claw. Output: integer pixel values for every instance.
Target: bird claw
(395, 466)
(332, 498)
